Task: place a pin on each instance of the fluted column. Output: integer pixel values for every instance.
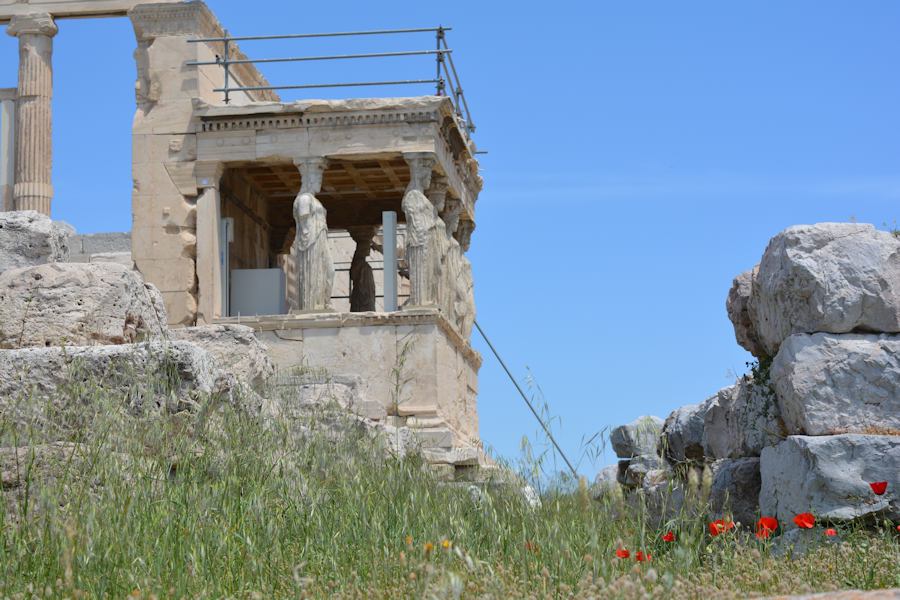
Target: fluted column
(34, 154)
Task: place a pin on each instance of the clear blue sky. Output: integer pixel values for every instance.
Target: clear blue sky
(641, 154)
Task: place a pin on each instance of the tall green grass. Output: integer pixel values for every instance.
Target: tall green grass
(219, 503)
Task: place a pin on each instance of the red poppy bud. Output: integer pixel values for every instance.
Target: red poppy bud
(669, 537)
(830, 532)
(622, 553)
(641, 557)
(879, 487)
(805, 520)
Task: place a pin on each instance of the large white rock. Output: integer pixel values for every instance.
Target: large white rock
(738, 307)
(741, 420)
(830, 277)
(78, 305)
(28, 238)
(235, 348)
(735, 489)
(829, 384)
(641, 436)
(829, 476)
(145, 376)
(682, 433)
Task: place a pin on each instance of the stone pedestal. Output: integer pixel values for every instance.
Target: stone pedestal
(33, 189)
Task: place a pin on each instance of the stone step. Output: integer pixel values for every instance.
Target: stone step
(434, 437)
(417, 410)
(425, 422)
(453, 456)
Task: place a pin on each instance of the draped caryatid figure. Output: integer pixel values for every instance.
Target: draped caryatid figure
(424, 230)
(362, 280)
(459, 305)
(315, 269)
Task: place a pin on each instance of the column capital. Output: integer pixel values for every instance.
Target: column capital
(312, 170)
(32, 23)
(420, 166)
(208, 174)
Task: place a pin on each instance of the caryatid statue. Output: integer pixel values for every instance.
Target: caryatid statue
(362, 294)
(460, 304)
(423, 252)
(315, 270)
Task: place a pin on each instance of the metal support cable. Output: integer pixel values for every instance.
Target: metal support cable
(527, 401)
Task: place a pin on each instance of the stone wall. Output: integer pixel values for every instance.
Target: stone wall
(412, 363)
(816, 421)
(164, 197)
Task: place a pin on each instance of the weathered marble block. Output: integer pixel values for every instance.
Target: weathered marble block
(741, 420)
(235, 348)
(829, 476)
(682, 433)
(735, 489)
(738, 307)
(28, 238)
(830, 384)
(78, 304)
(829, 277)
(636, 438)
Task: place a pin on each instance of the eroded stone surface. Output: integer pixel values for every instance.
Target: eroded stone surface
(77, 304)
(829, 384)
(735, 489)
(28, 238)
(172, 376)
(738, 307)
(741, 420)
(682, 433)
(636, 438)
(235, 348)
(830, 476)
(829, 277)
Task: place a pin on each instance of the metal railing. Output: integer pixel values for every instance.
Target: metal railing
(446, 77)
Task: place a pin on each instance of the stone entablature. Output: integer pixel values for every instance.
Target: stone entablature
(244, 133)
(69, 8)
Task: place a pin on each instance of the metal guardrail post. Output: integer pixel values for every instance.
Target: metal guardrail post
(389, 250)
(226, 59)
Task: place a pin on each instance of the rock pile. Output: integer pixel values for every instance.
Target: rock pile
(818, 419)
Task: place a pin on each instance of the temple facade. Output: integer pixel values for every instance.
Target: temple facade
(338, 229)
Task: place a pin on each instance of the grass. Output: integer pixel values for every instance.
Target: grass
(218, 504)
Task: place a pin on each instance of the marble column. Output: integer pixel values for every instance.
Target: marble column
(7, 148)
(315, 269)
(362, 294)
(34, 154)
(210, 288)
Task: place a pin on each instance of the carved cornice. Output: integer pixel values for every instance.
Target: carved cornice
(337, 119)
(33, 23)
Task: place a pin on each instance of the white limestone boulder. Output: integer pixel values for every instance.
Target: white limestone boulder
(155, 375)
(829, 476)
(29, 238)
(606, 482)
(830, 277)
(735, 489)
(636, 438)
(681, 439)
(235, 348)
(741, 420)
(738, 307)
(831, 384)
(79, 305)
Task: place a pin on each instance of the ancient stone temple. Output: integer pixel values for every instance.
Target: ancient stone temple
(301, 219)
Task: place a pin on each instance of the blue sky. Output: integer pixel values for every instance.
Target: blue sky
(641, 154)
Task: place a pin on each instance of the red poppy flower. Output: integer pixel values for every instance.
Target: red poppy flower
(898, 528)
(879, 487)
(622, 553)
(765, 527)
(720, 526)
(805, 520)
(641, 557)
(669, 537)
(830, 532)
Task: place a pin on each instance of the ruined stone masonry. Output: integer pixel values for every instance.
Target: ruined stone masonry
(257, 229)
(817, 421)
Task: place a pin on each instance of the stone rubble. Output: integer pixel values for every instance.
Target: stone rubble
(818, 419)
(28, 238)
